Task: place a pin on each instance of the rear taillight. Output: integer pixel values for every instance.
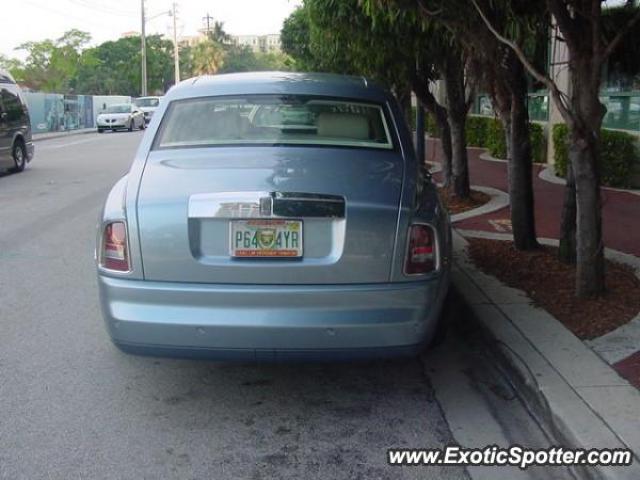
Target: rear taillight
(115, 254)
(421, 254)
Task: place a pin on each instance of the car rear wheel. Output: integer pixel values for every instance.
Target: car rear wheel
(19, 153)
(130, 126)
(143, 125)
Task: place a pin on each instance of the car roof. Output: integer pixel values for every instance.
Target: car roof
(324, 84)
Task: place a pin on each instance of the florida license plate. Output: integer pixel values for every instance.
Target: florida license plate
(266, 238)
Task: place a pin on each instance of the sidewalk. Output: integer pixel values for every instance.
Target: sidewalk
(574, 394)
(576, 389)
(64, 133)
(620, 213)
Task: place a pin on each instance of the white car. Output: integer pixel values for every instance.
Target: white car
(148, 105)
(125, 116)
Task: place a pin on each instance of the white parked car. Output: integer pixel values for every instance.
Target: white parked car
(125, 116)
(148, 106)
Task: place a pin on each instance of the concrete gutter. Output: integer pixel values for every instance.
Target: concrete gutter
(575, 395)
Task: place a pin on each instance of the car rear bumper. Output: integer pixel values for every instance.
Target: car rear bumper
(237, 322)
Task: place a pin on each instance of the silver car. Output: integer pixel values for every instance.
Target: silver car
(272, 216)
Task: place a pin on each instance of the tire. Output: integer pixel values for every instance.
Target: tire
(143, 125)
(101, 130)
(19, 154)
(130, 126)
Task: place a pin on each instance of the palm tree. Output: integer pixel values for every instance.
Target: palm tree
(207, 57)
(217, 34)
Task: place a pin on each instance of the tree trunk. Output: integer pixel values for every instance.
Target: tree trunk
(523, 221)
(457, 117)
(584, 155)
(429, 102)
(589, 247)
(460, 165)
(567, 250)
(445, 140)
(404, 99)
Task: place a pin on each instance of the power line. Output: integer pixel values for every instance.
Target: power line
(102, 9)
(62, 14)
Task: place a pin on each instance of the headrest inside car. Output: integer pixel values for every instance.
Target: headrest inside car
(343, 125)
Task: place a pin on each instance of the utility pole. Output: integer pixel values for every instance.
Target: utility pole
(143, 46)
(176, 49)
(208, 19)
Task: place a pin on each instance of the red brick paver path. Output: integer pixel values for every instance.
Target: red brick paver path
(620, 213)
(629, 368)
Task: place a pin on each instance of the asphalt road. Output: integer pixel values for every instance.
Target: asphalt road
(74, 407)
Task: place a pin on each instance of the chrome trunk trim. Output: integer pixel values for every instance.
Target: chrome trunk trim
(266, 205)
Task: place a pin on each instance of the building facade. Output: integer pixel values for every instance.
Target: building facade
(259, 43)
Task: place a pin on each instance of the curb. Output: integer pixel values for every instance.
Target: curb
(499, 200)
(68, 133)
(548, 175)
(574, 394)
(490, 158)
(616, 345)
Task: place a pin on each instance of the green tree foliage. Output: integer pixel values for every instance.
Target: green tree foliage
(295, 38)
(12, 65)
(66, 65)
(339, 36)
(208, 57)
(51, 65)
(113, 67)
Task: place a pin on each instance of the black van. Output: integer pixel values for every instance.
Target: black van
(16, 145)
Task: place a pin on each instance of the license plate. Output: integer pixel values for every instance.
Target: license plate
(265, 238)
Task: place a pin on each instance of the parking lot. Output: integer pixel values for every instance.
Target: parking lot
(73, 406)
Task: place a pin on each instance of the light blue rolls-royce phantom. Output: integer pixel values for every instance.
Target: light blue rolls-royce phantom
(271, 216)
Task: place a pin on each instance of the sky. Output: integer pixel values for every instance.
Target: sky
(33, 20)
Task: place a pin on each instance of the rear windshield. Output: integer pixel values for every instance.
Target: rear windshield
(146, 102)
(118, 109)
(274, 120)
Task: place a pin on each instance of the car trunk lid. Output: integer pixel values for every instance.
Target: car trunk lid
(346, 198)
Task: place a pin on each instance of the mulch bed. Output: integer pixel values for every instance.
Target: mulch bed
(550, 284)
(458, 205)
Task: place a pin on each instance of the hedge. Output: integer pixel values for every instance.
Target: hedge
(618, 154)
(487, 132)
